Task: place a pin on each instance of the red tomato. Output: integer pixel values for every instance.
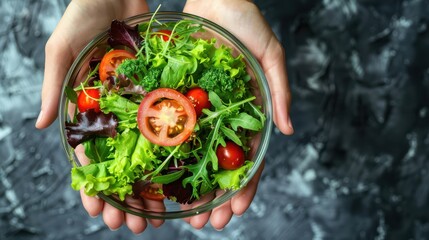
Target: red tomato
(111, 61)
(148, 190)
(88, 99)
(165, 34)
(199, 98)
(166, 117)
(231, 156)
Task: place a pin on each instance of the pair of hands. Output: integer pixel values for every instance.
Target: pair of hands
(84, 19)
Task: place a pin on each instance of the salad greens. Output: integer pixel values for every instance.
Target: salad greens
(120, 155)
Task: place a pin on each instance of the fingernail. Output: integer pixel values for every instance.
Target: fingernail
(39, 117)
(219, 230)
(113, 229)
(289, 122)
(95, 216)
(239, 215)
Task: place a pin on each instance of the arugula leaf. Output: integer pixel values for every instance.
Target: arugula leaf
(199, 171)
(245, 121)
(71, 94)
(163, 164)
(221, 109)
(168, 178)
(231, 135)
(257, 111)
(216, 101)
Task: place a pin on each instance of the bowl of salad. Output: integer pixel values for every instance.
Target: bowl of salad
(165, 116)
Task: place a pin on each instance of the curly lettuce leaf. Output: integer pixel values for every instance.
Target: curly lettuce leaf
(123, 108)
(95, 178)
(143, 157)
(231, 179)
(124, 145)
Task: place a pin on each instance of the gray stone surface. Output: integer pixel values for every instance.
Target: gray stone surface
(357, 167)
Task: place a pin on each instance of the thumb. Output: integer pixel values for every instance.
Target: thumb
(58, 59)
(274, 66)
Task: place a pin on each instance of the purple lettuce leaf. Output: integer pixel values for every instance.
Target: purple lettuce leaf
(90, 124)
(122, 34)
(176, 192)
(123, 84)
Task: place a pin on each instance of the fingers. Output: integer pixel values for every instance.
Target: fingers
(241, 202)
(274, 66)
(156, 206)
(135, 223)
(113, 217)
(199, 221)
(92, 205)
(221, 215)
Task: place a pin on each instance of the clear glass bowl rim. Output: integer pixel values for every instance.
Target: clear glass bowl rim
(164, 16)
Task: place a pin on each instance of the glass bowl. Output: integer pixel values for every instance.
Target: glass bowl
(97, 47)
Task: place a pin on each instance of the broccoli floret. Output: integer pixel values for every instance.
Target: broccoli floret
(151, 79)
(136, 71)
(220, 82)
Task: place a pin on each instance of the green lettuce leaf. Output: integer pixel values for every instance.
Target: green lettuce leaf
(143, 157)
(231, 179)
(123, 108)
(97, 150)
(95, 178)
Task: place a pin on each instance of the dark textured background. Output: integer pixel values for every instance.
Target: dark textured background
(355, 169)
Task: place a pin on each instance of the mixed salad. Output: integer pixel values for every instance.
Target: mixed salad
(163, 114)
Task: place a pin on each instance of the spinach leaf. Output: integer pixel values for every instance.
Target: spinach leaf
(96, 149)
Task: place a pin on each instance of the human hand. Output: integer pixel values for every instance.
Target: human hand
(80, 23)
(65, 44)
(244, 20)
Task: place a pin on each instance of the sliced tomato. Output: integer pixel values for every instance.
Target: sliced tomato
(111, 61)
(165, 34)
(88, 99)
(166, 117)
(147, 190)
(199, 98)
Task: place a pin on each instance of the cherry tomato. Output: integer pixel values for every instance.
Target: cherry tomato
(88, 99)
(199, 98)
(148, 190)
(166, 117)
(165, 34)
(231, 156)
(111, 61)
